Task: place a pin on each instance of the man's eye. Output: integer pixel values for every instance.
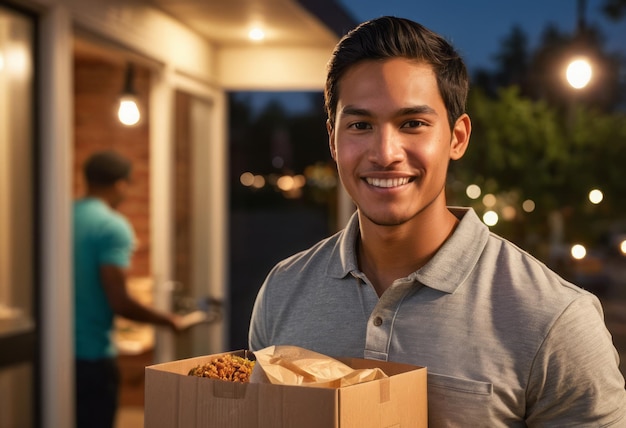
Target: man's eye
(360, 125)
(413, 124)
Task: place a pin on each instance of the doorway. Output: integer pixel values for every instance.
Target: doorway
(198, 231)
(18, 281)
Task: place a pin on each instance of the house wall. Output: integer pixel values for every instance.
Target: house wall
(177, 59)
(97, 84)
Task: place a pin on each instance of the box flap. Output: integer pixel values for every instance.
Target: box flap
(390, 368)
(397, 401)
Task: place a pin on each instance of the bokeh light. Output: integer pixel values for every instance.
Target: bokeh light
(258, 182)
(596, 196)
(285, 183)
(473, 191)
(578, 251)
(490, 218)
(256, 34)
(489, 200)
(247, 179)
(278, 162)
(508, 213)
(528, 205)
(579, 73)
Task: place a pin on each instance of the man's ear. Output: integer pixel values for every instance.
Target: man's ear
(331, 139)
(460, 137)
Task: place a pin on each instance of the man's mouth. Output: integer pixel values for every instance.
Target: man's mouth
(387, 182)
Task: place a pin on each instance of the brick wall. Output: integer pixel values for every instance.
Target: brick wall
(98, 83)
(182, 192)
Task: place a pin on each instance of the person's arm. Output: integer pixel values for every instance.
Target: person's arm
(114, 282)
(575, 379)
(257, 338)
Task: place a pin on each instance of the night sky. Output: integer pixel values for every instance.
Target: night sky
(475, 27)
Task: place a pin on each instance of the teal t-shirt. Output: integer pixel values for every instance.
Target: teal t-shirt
(101, 237)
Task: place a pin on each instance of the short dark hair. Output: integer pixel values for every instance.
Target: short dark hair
(106, 167)
(391, 37)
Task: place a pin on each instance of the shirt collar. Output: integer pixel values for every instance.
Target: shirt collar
(343, 259)
(449, 267)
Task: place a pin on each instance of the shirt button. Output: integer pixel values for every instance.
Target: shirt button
(378, 321)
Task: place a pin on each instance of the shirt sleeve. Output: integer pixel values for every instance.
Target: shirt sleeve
(575, 379)
(257, 337)
(116, 243)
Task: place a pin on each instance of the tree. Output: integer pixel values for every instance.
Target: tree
(524, 149)
(535, 138)
(546, 79)
(511, 64)
(614, 9)
(540, 74)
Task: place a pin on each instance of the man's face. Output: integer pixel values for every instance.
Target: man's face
(392, 141)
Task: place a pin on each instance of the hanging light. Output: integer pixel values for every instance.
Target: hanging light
(128, 111)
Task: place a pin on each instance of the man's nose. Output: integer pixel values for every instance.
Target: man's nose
(386, 147)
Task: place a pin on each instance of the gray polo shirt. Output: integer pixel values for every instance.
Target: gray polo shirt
(505, 340)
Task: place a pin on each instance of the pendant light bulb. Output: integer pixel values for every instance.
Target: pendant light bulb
(128, 111)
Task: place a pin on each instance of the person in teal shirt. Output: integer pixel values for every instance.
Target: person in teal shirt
(103, 247)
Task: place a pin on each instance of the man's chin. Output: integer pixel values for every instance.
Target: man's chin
(385, 219)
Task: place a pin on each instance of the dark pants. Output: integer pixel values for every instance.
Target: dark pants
(97, 385)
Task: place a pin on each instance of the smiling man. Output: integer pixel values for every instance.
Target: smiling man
(506, 341)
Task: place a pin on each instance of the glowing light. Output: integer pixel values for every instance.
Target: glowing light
(578, 251)
(256, 34)
(579, 73)
(596, 196)
(508, 213)
(285, 183)
(622, 247)
(490, 218)
(489, 200)
(128, 112)
(259, 182)
(299, 180)
(528, 205)
(247, 179)
(16, 60)
(473, 191)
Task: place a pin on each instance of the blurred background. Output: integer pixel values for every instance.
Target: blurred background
(232, 168)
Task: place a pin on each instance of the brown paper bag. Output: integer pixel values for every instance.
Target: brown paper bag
(292, 365)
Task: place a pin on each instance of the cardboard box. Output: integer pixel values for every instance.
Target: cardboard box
(175, 400)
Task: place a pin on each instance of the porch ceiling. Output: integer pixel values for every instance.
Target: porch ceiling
(226, 23)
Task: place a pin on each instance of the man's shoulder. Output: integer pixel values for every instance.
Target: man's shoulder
(319, 253)
(90, 214)
(522, 269)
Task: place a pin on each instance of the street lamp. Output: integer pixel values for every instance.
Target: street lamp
(579, 73)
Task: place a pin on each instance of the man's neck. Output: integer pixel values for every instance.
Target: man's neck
(100, 193)
(387, 253)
